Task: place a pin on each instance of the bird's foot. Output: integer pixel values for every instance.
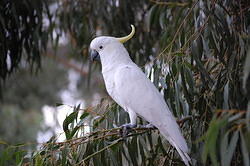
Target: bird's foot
(148, 126)
(126, 129)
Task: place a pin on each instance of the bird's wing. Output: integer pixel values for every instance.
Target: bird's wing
(136, 92)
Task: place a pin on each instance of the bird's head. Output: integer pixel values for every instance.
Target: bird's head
(103, 45)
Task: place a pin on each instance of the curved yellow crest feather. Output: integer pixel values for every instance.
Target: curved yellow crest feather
(126, 38)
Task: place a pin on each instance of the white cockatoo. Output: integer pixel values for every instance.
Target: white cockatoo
(134, 92)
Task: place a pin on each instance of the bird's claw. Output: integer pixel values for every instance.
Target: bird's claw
(126, 129)
(148, 126)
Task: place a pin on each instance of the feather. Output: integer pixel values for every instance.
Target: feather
(133, 90)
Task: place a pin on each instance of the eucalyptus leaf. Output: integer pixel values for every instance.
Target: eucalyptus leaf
(245, 151)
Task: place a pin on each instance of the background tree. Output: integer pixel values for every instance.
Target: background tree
(32, 76)
(22, 33)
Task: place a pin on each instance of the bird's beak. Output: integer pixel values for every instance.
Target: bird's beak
(126, 38)
(94, 56)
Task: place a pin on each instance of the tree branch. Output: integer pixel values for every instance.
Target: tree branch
(170, 3)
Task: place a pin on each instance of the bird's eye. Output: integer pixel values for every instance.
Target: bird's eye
(101, 47)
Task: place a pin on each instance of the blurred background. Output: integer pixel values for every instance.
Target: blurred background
(195, 52)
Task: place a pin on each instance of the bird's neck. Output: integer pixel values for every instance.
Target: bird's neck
(114, 58)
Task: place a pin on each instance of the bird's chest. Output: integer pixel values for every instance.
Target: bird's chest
(110, 84)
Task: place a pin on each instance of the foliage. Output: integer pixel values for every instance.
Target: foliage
(35, 90)
(194, 52)
(12, 155)
(22, 32)
(226, 130)
(20, 108)
(14, 121)
(104, 145)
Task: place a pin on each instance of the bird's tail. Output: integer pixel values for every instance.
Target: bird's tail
(184, 155)
(177, 140)
(171, 131)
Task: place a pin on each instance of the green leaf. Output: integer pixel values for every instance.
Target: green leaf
(248, 116)
(223, 149)
(227, 150)
(72, 133)
(151, 16)
(177, 99)
(244, 150)
(226, 96)
(19, 156)
(162, 20)
(84, 115)
(68, 120)
(64, 156)
(196, 55)
(211, 139)
(59, 104)
(246, 71)
(3, 142)
(97, 121)
(126, 153)
(38, 160)
(113, 157)
(232, 146)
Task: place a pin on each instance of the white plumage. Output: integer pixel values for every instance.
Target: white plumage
(135, 93)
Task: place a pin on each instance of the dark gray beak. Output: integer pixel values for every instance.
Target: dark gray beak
(94, 56)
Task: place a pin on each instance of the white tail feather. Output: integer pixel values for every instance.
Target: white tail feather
(184, 155)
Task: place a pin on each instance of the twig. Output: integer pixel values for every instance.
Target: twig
(66, 63)
(115, 132)
(178, 30)
(231, 111)
(103, 149)
(170, 3)
(110, 132)
(176, 34)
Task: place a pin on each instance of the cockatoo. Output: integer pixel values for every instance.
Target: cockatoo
(134, 92)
